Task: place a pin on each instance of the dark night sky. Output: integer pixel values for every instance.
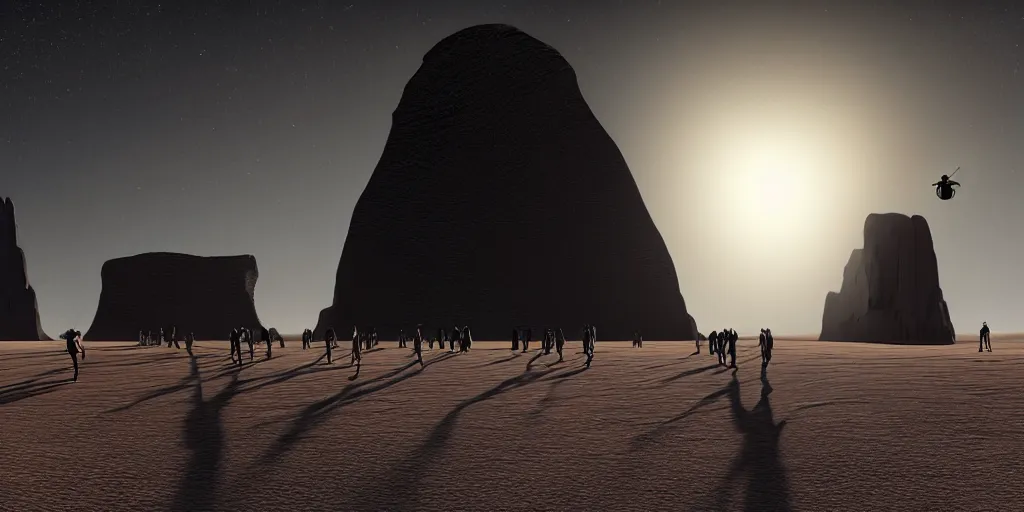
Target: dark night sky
(239, 127)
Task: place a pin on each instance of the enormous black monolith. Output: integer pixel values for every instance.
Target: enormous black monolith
(207, 296)
(890, 291)
(19, 311)
(499, 200)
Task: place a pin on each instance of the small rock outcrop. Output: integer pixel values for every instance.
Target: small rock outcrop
(19, 311)
(500, 200)
(890, 291)
(207, 296)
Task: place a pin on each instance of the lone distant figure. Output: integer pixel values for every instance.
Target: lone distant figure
(74, 343)
(189, 340)
(984, 340)
(944, 188)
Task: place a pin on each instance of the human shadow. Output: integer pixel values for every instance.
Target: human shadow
(30, 389)
(673, 363)
(35, 378)
(689, 373)
(204, 438)
(34, 355)
(566, 375)
(397, 491)
(513, 357)
(646, 439)
(759, 463)
(318, 412)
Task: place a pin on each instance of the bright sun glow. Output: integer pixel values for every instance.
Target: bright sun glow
(771, 180)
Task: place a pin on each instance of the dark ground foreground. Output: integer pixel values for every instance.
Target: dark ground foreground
(867, 427)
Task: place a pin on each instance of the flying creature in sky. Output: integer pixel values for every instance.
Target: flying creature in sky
(944, 187)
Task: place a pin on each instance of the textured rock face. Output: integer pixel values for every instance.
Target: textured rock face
(208, 296)
(19, 311)
(499, 200)
(890, 290)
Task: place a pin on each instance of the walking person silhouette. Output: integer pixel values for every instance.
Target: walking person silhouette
(74, 346)
(329, 340)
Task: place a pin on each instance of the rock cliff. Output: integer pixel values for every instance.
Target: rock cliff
(890, 290)
(208, 296)
(19, 311)
(500, 200)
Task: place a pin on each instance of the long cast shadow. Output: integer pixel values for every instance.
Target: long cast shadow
(319, 411)
(204, 438)
(759, 463)
(646, 439)
(688, 373)
(30, 390)
(397, 492)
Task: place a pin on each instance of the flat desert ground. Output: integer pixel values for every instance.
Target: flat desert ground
(845, 427)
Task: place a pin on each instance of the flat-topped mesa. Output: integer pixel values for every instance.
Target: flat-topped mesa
(890, 291)
(499, 200)
(208, 296)
(19, 310)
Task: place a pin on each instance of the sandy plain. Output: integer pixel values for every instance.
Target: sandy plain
(845, 426)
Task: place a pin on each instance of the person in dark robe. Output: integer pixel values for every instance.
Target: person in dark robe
(190, 338)
(417, 346)
(731, 349)
(251, 341)
(173, 337)
(73, 340)
(401, 339)
(712, 340)
(418, 338)
(142, 338)
(983, 340)
(528, 339)
(456, 336)
(430, 343)
(373, 337)
(467, 340)
(329, 340)
(723, 340)
(357, 344)
(307, 339)
(233, 340)
(593, 337)
(559, 343)
(586, 339)
(769, 344)
(590, 351)
(515, 339)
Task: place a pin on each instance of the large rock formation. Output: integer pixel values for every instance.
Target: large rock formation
(205, 295)
(19, 311)
(499, 200)
(890, 290)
